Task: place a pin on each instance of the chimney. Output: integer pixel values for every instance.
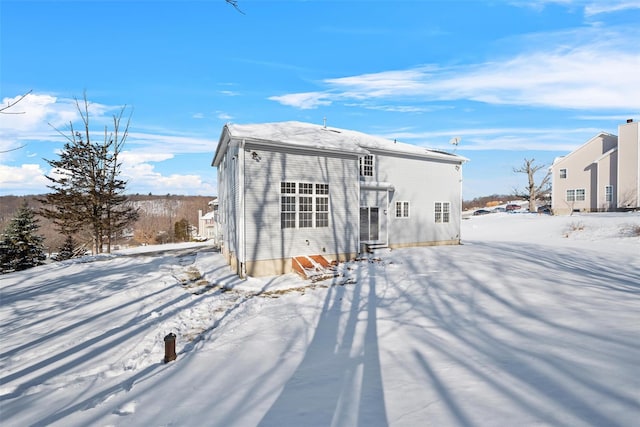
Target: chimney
(629, 120)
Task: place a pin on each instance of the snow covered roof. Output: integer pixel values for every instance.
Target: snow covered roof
(208, 215)
(308, 135)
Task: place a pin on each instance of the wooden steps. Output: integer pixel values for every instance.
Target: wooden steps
(313, 267)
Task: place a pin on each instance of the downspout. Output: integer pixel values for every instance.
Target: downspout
(241, 221)
(461, 204)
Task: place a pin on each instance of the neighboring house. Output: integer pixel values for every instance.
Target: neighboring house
(601, 175)
(208, 226)
(292, 189)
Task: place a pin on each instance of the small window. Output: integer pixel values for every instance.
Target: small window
(402, 209)
(571, 195)
(563, 173)
(306, 188)
(288, 187)
(608, 193)
(366, 165)
(580, 194)
(322, 188)
(442, 212)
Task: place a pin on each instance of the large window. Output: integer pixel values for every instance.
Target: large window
(366, 165)
(402, 209)
(442, 212)
(304, 205)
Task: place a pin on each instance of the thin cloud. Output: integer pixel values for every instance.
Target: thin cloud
(508, 139)
(595, 74)
(597, 8)
(304, 101)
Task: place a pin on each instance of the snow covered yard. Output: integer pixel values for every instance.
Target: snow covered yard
(534, 320)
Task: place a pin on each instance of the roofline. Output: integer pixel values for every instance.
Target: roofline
(226, 137)
(563, 158)
(358, 151)
(607, 154)
(430, 154)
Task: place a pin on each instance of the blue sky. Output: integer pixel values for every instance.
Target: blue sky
(513, 79)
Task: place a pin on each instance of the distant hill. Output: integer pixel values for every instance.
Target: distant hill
(158, 215)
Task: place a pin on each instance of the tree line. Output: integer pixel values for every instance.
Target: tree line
(87, 202)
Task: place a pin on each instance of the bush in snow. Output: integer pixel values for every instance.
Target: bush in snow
(20, 246)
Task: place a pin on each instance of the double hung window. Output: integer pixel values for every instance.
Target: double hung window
(402, 209)
(442, 212)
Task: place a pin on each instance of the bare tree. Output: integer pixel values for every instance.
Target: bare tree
(4, 110)
(9, 105)
(533, 191)
(234, 3)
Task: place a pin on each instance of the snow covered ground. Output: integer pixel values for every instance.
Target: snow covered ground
(534, 320)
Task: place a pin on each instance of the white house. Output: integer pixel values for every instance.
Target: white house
(208, 226)
(291, 189)
(603, 174)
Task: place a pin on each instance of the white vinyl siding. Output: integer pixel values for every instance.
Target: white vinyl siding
(265, 237)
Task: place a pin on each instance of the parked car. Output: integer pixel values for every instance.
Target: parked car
(481, 212)
(544, 210)
(512, 207)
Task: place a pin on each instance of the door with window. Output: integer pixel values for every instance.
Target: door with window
(369, 224)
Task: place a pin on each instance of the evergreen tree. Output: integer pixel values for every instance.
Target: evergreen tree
(67, 250)
(85, 183)
(181, 230)
(20, 246)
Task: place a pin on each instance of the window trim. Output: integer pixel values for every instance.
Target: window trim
(442, 212)
(305, 198)
(364, 167)
(402, 209)
(570, 195)
(608, 193)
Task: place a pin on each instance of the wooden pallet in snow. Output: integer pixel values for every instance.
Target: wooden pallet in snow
(313, 267)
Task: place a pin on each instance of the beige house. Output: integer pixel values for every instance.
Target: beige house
(601, 175)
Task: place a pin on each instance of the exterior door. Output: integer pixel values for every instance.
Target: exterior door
(369, 224)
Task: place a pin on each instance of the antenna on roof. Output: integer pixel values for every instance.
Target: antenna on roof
(324, 121)
(455, 141)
